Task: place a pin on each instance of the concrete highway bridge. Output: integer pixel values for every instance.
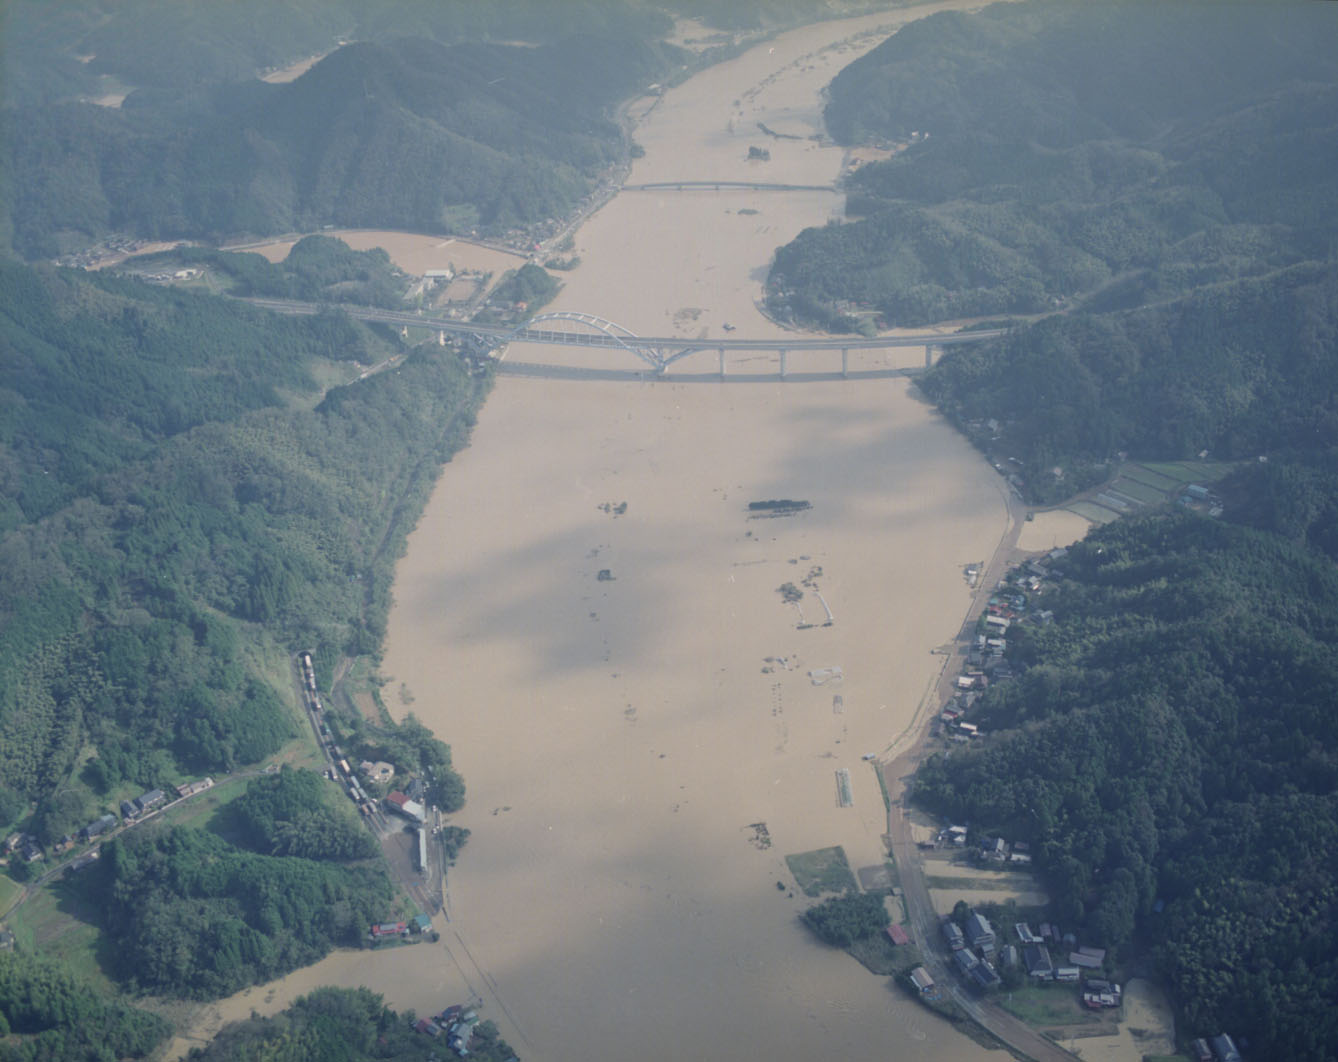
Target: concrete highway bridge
(656, 353)
(716, 186)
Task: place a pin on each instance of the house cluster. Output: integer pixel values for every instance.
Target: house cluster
(25, 846)
(22, 846)
(455, 1024)
(986, 661)
(992, 849)
(973, 950)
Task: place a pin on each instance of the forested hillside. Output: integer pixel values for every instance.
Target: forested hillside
(1172, 739)
(45, 1014)
(187, 914)
(410, 134)
(1240, 370)
(1053, 153)
(1152, 173)
(85, 47)
(183, 507)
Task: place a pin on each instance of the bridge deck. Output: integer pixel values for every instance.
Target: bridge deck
(557, 337)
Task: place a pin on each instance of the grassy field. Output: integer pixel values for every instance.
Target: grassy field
(1155, 480)
(55, 924)
(9, 891)
(1098, 514)
(200, 811)
(822, 870)
(1054, 1005)
(1190, 471)
(1140, 492)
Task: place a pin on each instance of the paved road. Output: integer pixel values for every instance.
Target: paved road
(924, 920)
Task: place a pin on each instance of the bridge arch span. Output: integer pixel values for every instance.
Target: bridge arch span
(618, 336)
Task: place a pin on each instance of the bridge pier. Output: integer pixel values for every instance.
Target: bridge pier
(845, 362)
(781, 352)
(929, 354)
(722, 363)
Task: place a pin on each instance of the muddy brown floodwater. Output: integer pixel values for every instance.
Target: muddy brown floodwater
(622, 733)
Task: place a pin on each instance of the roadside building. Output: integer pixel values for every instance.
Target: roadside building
(897, 935)
(924, 984)
(154, 798)
(1225, 1048)
(966, 961)
(1036, 958)
(952, 933)
(979, 933)
(82, 862)
(98, 827)
(1088, 958)
(401, 804)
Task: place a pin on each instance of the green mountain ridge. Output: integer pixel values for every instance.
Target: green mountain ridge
(410, 134)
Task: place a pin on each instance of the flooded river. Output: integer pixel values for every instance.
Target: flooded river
(591, 616)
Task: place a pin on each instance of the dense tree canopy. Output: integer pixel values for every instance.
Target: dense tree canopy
(296, 812)
(410, 134)
(1056, 153)
(188, 914)
(1172, 739)
(55, 52)
(48, 1016)
(842, 920)
(1241, 370)
(182, 503)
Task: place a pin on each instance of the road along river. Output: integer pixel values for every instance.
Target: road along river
(590, 615)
